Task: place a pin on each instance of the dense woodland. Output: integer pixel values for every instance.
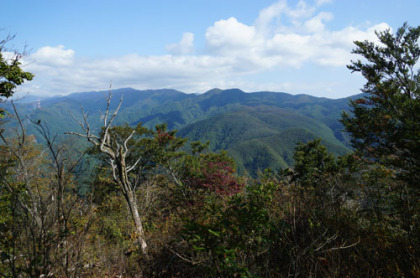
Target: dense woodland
(157, 205)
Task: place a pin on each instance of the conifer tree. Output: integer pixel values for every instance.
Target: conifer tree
(385, 123)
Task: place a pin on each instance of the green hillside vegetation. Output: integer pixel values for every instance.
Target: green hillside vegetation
(261, 137)
(142, 201)
(229, 119)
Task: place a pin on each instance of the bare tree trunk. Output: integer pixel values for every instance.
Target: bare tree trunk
(120, 173)
(132, 203)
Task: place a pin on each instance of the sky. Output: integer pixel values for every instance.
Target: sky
(298, 47)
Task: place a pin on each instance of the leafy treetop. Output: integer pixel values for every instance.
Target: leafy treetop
(385, 122)
(11, 74)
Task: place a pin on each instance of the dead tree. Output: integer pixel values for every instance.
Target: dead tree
(116, 150)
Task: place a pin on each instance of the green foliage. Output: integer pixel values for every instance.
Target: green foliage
(356, 215)
(385, 123)
(11, 74)
(230, 120)
(384, 127)
(277, 226)
(260, 137)
(230, 233)
(312, 161)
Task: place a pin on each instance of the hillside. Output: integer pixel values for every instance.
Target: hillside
(262, 136)
(258, 129)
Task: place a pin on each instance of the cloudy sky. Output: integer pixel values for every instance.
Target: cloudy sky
(196, 45)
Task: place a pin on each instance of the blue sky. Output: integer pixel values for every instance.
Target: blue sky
(196, 45)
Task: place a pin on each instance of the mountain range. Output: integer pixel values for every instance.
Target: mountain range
(259, 130)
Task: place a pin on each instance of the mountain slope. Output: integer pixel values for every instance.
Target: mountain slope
(262, 136)
(258, 129)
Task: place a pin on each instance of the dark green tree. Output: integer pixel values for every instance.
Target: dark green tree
(312, 162)
(385, 123)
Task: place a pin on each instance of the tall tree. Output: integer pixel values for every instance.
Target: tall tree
(385, 123)
(385, 128)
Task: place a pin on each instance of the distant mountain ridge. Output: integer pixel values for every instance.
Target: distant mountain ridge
(258, 129)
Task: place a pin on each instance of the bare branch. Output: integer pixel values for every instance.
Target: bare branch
(86, 136)
(20, 122)
(129, 169)
(105, 145)
(181, 257)
(126, 141)
(342, 246)
(328, 240)
(115, 113)
(82, 125)
(108, 101)
(108, 104)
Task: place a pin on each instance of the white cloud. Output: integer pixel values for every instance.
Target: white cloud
(291, 47)
(265, 19)
(54, 56)
(227, 36)
(185, 46)
(282, 37)
(302, 10)
(316, 24)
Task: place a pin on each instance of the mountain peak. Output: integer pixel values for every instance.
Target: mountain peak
(214, 91)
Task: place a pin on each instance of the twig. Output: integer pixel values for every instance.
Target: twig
(179, 256)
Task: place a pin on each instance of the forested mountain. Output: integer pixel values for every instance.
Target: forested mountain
(259, 130)
(262, 136)
(145, 202)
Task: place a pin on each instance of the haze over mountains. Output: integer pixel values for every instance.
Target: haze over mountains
(259, 130)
